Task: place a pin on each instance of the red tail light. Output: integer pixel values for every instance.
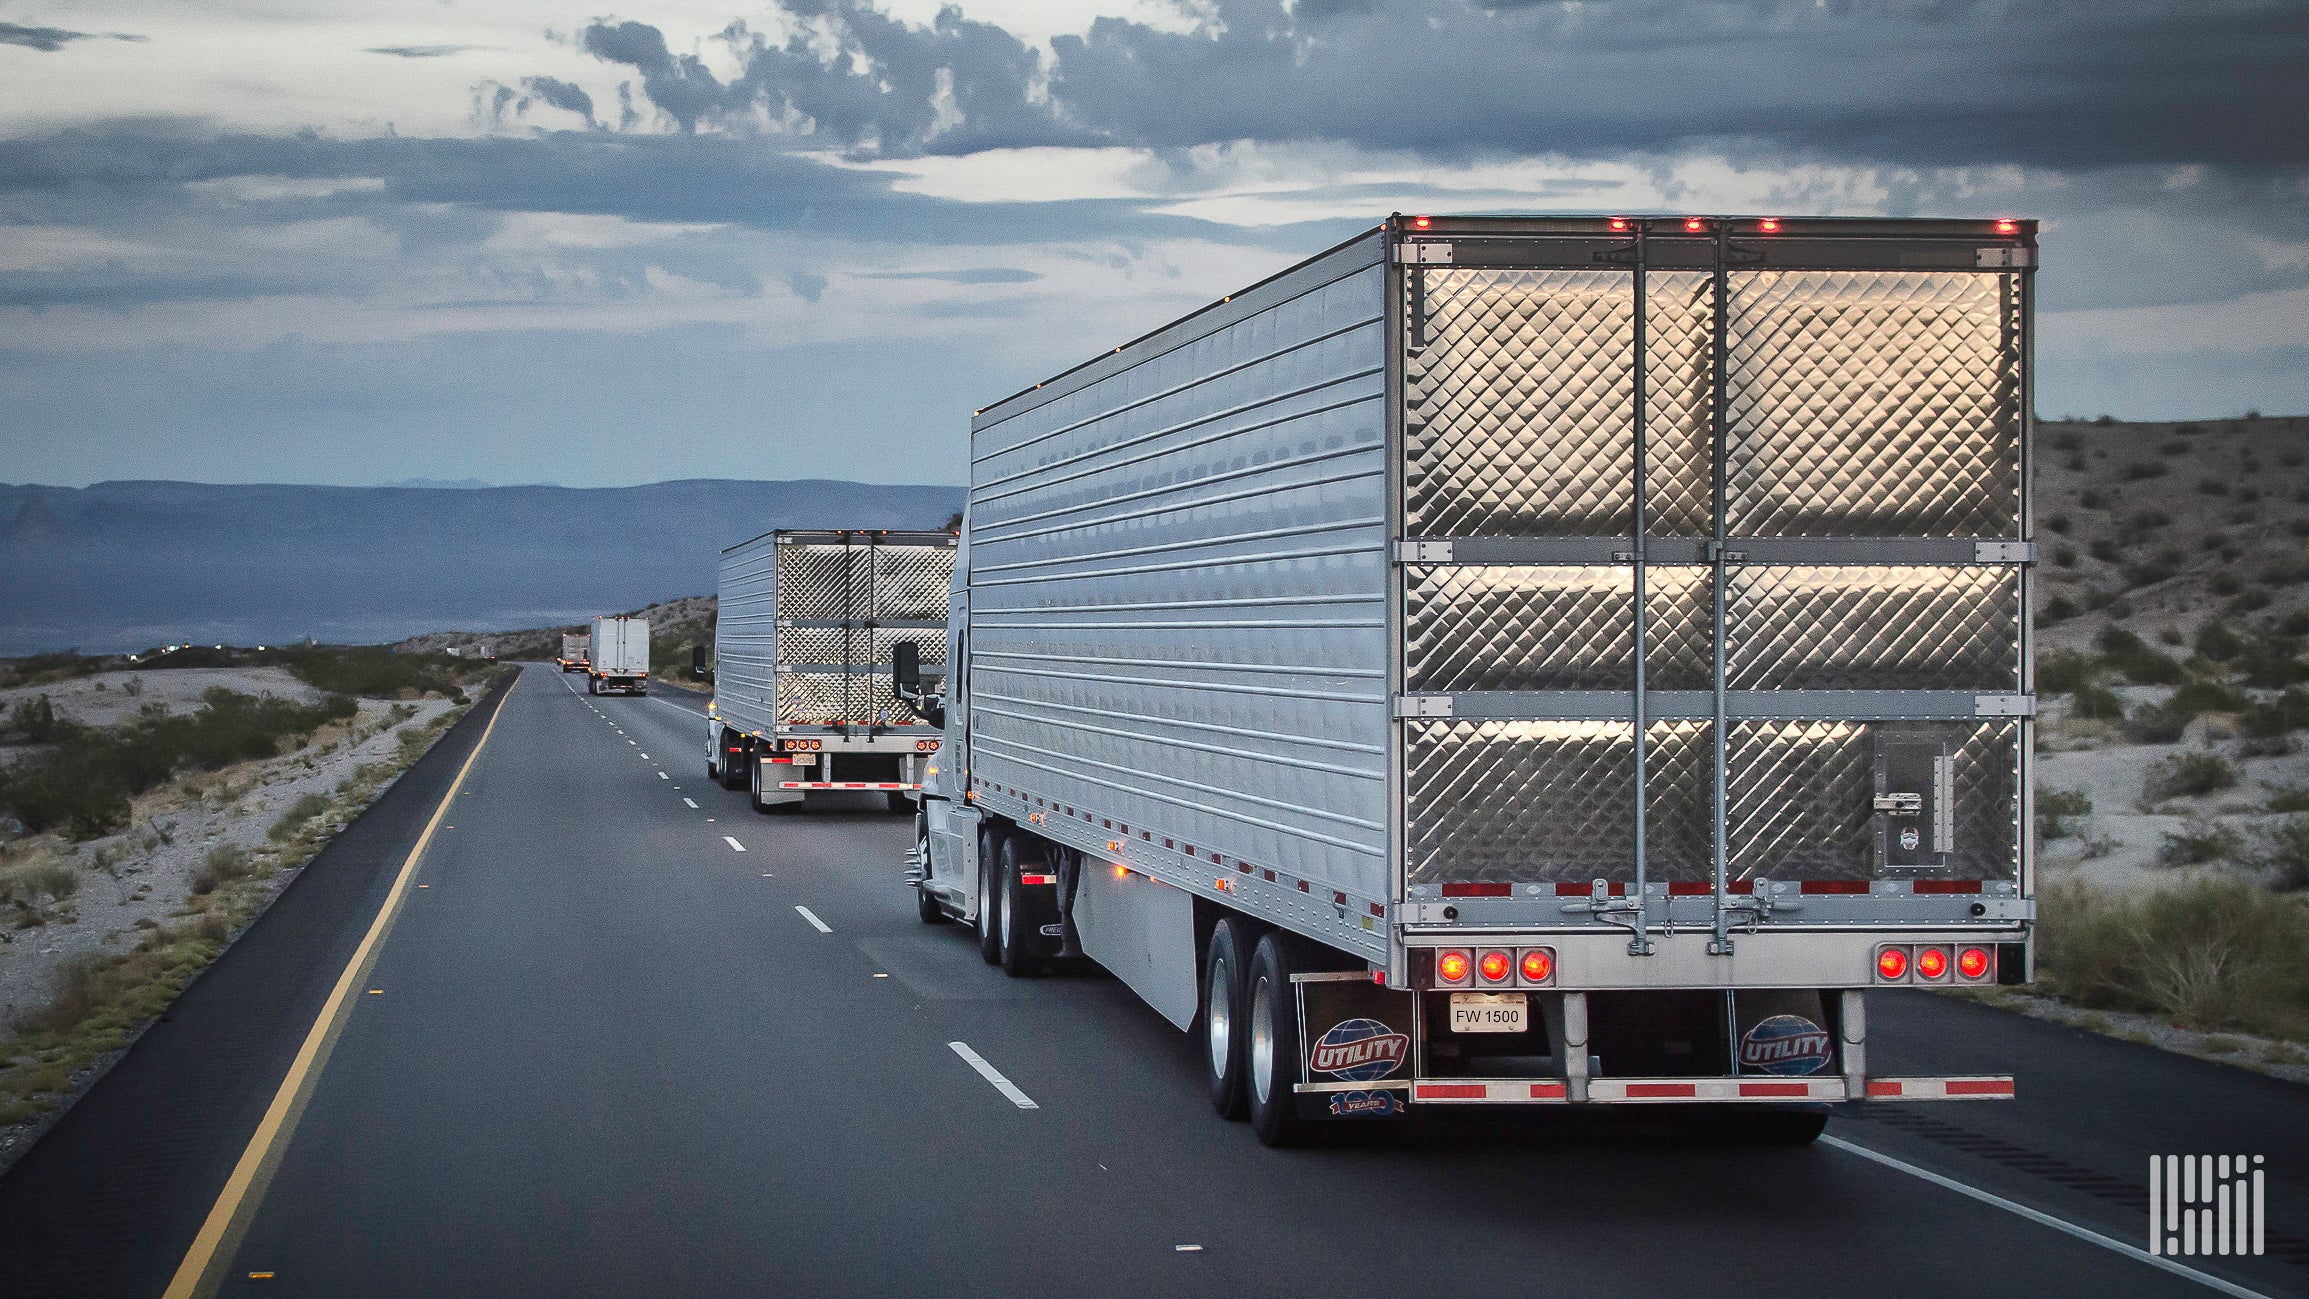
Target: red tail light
(1972, 963)
(1619, 223)
(1892, 963)
(1452, 967)
(1932, 963)
(1496, 966)
(1694, 224)
(1420, 223)
(1769, 225)
(2008, 227)
(1538, 965)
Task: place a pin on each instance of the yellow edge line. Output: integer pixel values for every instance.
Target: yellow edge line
(278, 1116)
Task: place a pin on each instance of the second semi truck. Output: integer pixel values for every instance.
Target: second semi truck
(1515, 662)
(575, 653)
(618, 657)
(802, 698)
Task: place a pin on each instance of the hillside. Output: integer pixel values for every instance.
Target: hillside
(128, 565)
(674, 626)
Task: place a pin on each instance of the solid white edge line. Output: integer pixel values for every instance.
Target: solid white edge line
(812, 916)
(993, 1075)
(692, 803)
(2047, 1220)
(735, 846)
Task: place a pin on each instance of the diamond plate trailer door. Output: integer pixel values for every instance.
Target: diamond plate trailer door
(842, 600)
(1785, 681)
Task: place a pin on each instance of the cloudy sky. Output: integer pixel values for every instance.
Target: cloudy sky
(314, 241)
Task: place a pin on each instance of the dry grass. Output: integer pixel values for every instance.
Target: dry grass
(2212, 954)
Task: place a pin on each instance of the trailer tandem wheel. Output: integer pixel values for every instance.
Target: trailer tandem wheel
(1226, 1036)
(1273, 1053)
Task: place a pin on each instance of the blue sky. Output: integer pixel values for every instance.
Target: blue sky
(514, 241)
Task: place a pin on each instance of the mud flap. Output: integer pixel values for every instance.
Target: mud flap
(1358, 1040)
(1782, 1034)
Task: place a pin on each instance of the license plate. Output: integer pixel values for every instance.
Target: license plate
(1488, 1012)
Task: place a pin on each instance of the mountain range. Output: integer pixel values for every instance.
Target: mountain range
(121, 566)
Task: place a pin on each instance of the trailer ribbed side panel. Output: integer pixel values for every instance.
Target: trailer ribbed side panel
(746, 637)
(1179, 588)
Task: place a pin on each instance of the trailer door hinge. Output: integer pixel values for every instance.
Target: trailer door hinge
(1423, 705)
(2004, 705)
(1991, 258)
(1423, 253)
(2003, 552)
(1422, 552)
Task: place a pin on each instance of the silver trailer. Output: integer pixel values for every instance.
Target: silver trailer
(1552, 661)
(802, 699)
(575, 654)
(617, 660)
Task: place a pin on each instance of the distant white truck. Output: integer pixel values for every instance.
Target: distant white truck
(802, 643)
(576, 653)
(618, 657)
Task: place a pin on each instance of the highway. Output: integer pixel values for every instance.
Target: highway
(623, 1036)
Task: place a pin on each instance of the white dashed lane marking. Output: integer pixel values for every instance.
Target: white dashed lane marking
(735, 846)
(692, 803)
(812, 916)
(993, 1075)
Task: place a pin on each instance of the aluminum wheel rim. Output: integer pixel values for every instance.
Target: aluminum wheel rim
(1002, 912)
(1220, 1019)
(1262, 1039)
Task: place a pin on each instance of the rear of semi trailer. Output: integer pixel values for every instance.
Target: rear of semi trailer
(575, 655)
(1554, 661)
(802, 693)
(618, 657)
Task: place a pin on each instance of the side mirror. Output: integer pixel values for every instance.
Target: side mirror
(906, 669)
(697, 661)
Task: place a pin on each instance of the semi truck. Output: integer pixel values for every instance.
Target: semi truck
(617, 657)
(802, 700)
(1557, 663)
(575, 654)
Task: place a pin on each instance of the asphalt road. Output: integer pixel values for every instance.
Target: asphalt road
(632, 1038)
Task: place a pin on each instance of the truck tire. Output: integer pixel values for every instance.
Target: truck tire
(1226, 1040)
(926, 904)
(1784, 1127)
(733, 770)
(990, 842)
(899, 802)
(1018, 919)
(755, 768)
(1272, 1052)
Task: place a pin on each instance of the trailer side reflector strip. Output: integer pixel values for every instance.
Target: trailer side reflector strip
(1940, 1089)
(1038, 879)
(1478, 890)
(1947, 886)
(1638, 1091)
(1835, 886)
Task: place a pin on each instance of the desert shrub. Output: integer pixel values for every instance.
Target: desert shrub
(2058, 609)
(2282, 847)
(2059, 672)
(2287, 712)
(2252, 599)
(2186, 775)
(224, 864)
(2093, 500)
(39, 669)
(2097, 703)
(2144, 469)
(2058, 523)
(2155, 724)
(35, 721)
(2054, 807)
(2286, 797)
(2225, 582)
(2064, 556)
(2148, 520)
(28, 890)
(2173, 448)
(293, 820)
(2249, 494)
(2149, 572)
(2268, 666)
(2295, 623)
(2212, 487)
(2104, 549)
(2068, 442)
(2196, 698)
(2132, 658)
(2209, 954)
(2199, 841)
(2218, 641)
(372, 671)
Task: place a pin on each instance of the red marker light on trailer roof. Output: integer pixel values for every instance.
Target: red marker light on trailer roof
(1421, 223)
(1892, 963)
(2008, 227)
(1769, 225)
(1972, 963)
(1694, 224)
(1619, 223)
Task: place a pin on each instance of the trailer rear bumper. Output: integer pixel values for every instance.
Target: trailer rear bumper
(1710, 1091)
(845, 784)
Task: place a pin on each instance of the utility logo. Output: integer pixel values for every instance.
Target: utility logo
(1786, 1045)
(1359, 1050)
(2205, 1204)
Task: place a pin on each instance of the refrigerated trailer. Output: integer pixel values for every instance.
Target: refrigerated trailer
(575, 654)
(1516, 662)
(802, 698)
(618, 657)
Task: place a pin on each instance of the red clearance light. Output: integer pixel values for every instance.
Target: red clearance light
(1496, 966)
(1420, 223)
(1694, 224)
(1972, 963)
(1769, 225)
(1538, 965)
(1451, 967)
(1892, 963)
(2008, 227)
(1932, 963)
(1619, 223)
